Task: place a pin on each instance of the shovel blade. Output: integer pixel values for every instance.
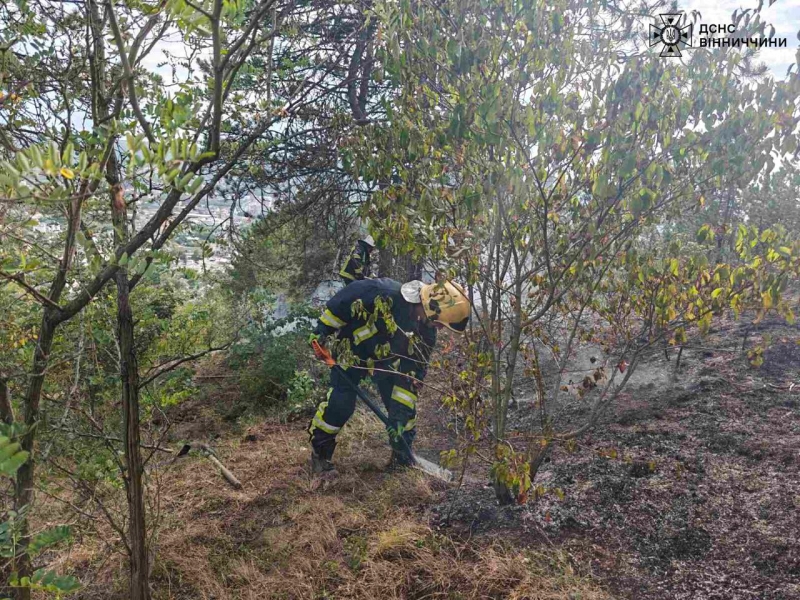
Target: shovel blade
(433, 469)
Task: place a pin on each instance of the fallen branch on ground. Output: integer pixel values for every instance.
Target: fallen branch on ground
(209, 453)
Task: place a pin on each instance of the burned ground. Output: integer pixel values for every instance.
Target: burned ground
(688, 489)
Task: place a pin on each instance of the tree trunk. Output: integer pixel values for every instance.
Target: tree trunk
(414, 270)
(129, 377)
(537, 461)
(501, 489)
(496, 320)
(7, 417)
(502, 493)
(6, 409)
(24, 487)
(401, 267)
(384, 263)
(51, 318)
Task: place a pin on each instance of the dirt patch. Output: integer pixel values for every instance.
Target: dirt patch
(782, 360)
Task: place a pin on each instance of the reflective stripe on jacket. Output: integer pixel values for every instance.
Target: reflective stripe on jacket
(342, 320)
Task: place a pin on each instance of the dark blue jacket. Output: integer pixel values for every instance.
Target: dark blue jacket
(356, 267)
(368, 331)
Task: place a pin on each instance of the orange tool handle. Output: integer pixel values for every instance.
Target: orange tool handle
(322, 354)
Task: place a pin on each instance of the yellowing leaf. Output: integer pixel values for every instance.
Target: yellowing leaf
(766, 299)
(68, 173)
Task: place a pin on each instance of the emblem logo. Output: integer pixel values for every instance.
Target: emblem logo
(672, 35)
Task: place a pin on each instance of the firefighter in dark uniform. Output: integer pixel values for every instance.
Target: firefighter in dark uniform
(356, 267)
(395, 326)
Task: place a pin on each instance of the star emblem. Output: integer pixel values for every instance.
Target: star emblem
(672, 35)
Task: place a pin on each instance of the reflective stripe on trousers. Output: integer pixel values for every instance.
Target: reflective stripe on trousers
(340, 404)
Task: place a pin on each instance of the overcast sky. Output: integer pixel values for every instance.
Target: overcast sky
(784, 15)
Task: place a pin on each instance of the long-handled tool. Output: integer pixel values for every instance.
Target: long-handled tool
(418, 462)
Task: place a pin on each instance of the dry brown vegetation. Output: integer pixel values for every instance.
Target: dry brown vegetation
(689, 490)
(287, 535)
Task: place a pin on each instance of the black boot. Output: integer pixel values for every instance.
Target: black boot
(400, 460)
(321, 458)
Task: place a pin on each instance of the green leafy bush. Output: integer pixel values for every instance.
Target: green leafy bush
(274, 360)
(48, 581)
(302, 395)
(11, 459)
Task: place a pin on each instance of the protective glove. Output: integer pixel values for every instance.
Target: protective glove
(322, 353)
(315, 337)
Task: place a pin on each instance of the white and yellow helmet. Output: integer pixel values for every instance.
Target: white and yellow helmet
(445, 302)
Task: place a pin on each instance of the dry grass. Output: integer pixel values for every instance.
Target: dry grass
(286, 536)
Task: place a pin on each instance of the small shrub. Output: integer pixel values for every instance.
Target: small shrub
(301, 394)
(268, 370)
(275, 363)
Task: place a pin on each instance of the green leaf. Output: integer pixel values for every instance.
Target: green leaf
(705, 234)
(11, 457)
(37, 157)
(195, 185)
(50, 582)
(66, 156)
(141, 267)
(184, 181)
(47, 538)
(7, 448)
(23, 162)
